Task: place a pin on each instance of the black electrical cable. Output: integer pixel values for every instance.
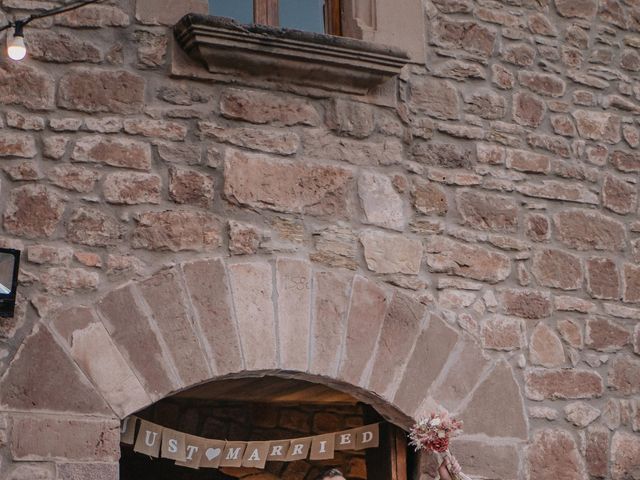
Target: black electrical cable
(18, 24)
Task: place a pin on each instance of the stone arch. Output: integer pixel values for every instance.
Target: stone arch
(85, 367)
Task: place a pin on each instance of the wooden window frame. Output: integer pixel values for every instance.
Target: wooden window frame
(267, 12)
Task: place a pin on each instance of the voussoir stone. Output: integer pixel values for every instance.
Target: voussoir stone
(557, 269)
(264, 107)
(382, 205)
(589, 230)
(93, 90)
(259, 181)
(33, 211)
(177, 230)
(391, 253)
(113, 151)
(487, 459)
(554, 384)
(553, 453)
(479, 263)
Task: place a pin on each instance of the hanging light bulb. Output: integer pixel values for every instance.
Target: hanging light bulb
(17, 49)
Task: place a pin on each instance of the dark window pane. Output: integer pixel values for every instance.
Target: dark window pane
(307, 15)
(240, 10)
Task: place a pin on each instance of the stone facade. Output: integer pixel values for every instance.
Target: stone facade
(469, 241)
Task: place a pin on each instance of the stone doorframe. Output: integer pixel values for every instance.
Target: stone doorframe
(84, 368)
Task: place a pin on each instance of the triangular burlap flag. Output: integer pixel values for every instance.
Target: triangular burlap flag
(232, 454)
(368, 436)
(278, 450)
(194, 447)
(322, 447)
(255, 455)
(149, 437)
(128, 430)
(212, 454)
(346, 440)
(173, 445)
(298, 449)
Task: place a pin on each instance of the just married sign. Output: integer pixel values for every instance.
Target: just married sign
(197, 452)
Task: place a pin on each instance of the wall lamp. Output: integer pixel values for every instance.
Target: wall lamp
(9, 267)
(16, 47)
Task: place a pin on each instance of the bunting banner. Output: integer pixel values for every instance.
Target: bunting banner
(197, 452)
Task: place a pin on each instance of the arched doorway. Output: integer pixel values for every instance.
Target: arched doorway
(271, 408)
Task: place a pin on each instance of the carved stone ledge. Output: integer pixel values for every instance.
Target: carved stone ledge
(304, 58)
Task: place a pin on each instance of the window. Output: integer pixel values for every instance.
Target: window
(319, 16)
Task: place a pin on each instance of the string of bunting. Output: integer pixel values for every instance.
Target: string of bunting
(197, 452)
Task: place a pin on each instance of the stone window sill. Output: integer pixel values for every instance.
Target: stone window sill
(321, 61)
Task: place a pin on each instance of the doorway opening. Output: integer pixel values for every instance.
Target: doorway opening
(270, 408)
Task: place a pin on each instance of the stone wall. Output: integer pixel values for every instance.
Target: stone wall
(249, 421)
(500, 193)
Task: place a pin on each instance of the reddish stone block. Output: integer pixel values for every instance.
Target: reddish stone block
(66, 281)
(94, 16)
(606, 335)
(502, 333)
(165, 299)
(14, 144)
(519, 54)
(628, 162)
(208, 289)
(538, 227)
(93, 90)
(428, 198)
(542, 83)
(526, 161)
(42, 438)
(545, 348)
(22, 84)
(132, 188)
(33, 211)
(524, 303)
(49, 46)
(391, 253)
(73, 178)
(350, 118)
(113, 151)
(264, 107)
(599, 126)
(631, 277)
(625, 455)
(554, 384)
(597, 451)
(190, 186)
(282, 142)
(603, 279)
(487, 211)
(435, 97)
(554, 454)
(478, 263)
(152, 53)
(466, 35)
(557, 269)
(259, 181)
(624, 375)
(488, 459)
(589, 230)
(618, 195)
(177, 230)
(528, 109)
(156, 129)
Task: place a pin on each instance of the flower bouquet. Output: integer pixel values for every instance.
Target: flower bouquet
(433, 434)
